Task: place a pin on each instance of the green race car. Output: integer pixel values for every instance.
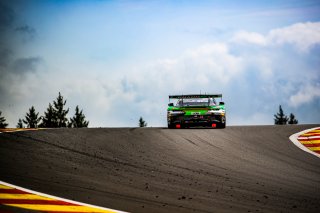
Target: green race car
(196, 110)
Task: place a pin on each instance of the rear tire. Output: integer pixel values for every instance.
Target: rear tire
(171, 126)
(222, 125)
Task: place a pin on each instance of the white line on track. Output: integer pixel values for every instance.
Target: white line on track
(294, 139)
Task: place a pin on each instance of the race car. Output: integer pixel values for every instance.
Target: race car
(196, 110)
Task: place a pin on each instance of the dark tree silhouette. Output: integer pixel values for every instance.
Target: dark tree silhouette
(49, 119)
(142, 123)
(60, 112)
(292, 119)
(280, 118)
(3, 123)
(78, 120)
(20, 124)
(32, 118)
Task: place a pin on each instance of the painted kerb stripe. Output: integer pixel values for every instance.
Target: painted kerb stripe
(18, 129)
(16, 196)
(308, 140)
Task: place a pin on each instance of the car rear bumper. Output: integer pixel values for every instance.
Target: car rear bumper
(205, 120)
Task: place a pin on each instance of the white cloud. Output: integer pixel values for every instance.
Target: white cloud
(307, 94)
(262, 72)
(145, 90)
(209, 64)
(249, 38)
(302, 35)
(213, 62)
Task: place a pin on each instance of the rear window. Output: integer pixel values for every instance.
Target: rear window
(196, 102)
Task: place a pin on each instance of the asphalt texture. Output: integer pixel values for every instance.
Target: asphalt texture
(237, 169)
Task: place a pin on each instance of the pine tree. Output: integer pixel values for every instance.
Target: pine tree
(78, 120)
(49, 119)
(142, 123)
(3, 123)
(280, 118)
(60, 112)
(20, 124)
(32, 118)
(292, 119)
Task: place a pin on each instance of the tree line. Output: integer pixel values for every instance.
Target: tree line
(281, 119)
(54, 117)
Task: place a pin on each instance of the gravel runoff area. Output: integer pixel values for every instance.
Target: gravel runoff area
(237, 169)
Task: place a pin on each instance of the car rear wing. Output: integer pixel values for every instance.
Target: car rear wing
(195, 96)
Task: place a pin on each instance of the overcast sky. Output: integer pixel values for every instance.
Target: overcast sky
(119, 60)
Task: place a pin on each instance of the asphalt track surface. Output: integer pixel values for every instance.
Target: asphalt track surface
(237, 169)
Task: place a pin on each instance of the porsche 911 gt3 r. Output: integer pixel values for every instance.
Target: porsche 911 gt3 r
(196, 110)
